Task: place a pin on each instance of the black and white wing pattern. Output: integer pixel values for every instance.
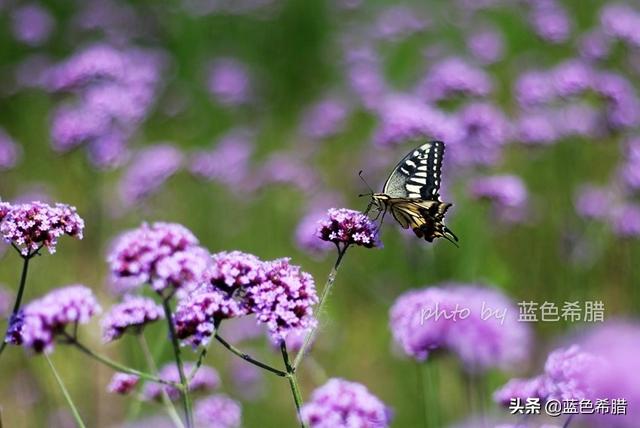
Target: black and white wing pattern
(417, 176)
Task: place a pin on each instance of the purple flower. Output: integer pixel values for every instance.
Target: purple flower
(305, 236)
(454, 77)
(134, 313)
(595, 45)
(537, 128)
(123, 383)
(35, 224)
(398, 22)
(520, 388)
(108, 151)
(32, 24)
(229, 82)
(567, 374)
(534, 87)
(617, 343)
(206, 379)
(325, 119)
(572, 77)
(228, 162)
(41, 320)
(342, 404)
(235, 270)
(507, 193)
(623, 105)
(286, 168)
(284, 300)
(620, 21)
(625, 220)
(630, 169)
(485, 131)
(478, 324)
(10, 151)
(135, 255)
(72, 126)
(148, 171)
(579, 119)
(93, 63)
(593, 202)
(184, 270)
(550, 21)
(367, 81)
(486, 45)
(346, 227)
(404, 118)
(218, 411)
(195, 316)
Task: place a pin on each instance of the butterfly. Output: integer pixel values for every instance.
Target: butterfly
(411, 194)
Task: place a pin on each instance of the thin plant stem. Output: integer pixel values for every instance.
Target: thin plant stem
(323, 299)
(166, 401)
(428, 383)
(74, 410)
(186, 400)
(199, 361)
(117, 366)
(21, 287)
(248, 358)
(293, 382)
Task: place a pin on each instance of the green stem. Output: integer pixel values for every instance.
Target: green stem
(186, 400)
(166, 401)
(429, 389)
(74, 410)
(293, 382)
(248, 358)
(323, 299)
(119, 367)
(18, 302)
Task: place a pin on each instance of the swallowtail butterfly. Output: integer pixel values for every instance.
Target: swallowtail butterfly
(411, 193)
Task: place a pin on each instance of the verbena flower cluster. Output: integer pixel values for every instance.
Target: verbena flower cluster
(343, 404)
(346, 227)
(568, 375)
(131, 315)
(195, 316)
(279, 294)
(218, 411)
(165, 255)
(284, 300)
(41, 321)
(123, 383)
(206, 379)
(454, 317)
(32, 225)
(507, 193)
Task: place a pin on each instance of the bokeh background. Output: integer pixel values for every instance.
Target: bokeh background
(245, 120)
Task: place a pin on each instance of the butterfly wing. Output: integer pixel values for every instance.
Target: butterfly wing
(426, 218)
(417, 175)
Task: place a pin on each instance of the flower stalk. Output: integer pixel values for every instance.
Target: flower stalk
(186, 400)
(293, 382)
(323, 299)
(74, 410)
(166, 401)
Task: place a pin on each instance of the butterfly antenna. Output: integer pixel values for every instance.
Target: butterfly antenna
(367, 184)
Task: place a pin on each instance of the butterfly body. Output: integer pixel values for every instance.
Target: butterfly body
(411, 193)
